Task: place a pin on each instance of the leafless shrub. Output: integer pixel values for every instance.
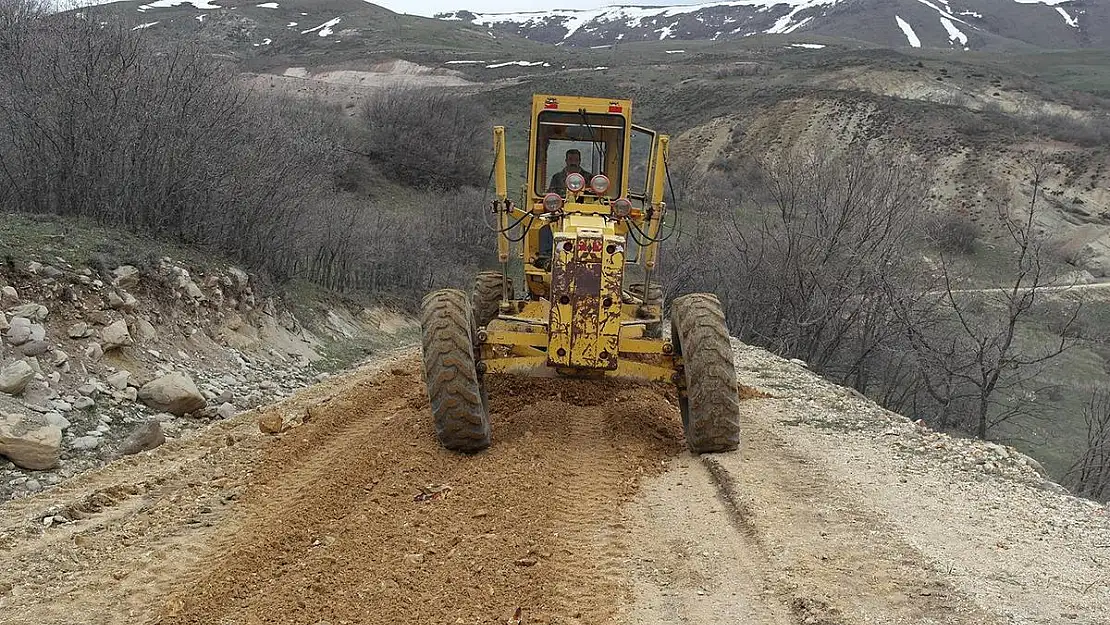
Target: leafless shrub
(428, 137)
(954, 232)
(1089, 131)
(97, 123)
(1089, 476)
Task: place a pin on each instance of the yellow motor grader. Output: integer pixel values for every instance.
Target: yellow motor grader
(592, 209)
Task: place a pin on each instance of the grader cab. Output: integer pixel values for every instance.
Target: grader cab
(589, 217)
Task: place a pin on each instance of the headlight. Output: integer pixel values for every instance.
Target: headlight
(552, 202)
(600, 184)
(622, 207)
(576, 182)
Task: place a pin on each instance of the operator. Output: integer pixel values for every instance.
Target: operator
(573, 166)
(559, 185)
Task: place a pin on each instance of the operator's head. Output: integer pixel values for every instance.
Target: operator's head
(574, 159)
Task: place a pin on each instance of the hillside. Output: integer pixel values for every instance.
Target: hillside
(955, 24)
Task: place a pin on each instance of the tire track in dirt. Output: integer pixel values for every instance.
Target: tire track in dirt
(823, 553)
(329, 529)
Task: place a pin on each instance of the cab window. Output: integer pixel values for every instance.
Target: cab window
(590, 144)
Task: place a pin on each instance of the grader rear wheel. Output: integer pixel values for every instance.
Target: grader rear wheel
(710, 405)
(455, 391)
(652, 297)
(488, 286)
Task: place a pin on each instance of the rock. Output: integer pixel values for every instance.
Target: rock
(61, 406)
(94, 352)
(34, 312)
(145, 330)
(33, 485)
(15, 377)
(57, 420)
(125, 276)
(225, 411)
(130, 393)
(51, 271)
(270, 423)
(193, 291)
(84, 403)
(60, 358)
(35, 348)
(98, 317)
(144, 438)
(30, 442)
(34, 267)
(85, 443)
(4, 322)
(239, 278)
(414, 558)
(115, 302)
(19, 331)
(79, 330)
(8, 296)
(225, 397)
(119, 380)
(88, 389)
(116, 335)
(175, 393)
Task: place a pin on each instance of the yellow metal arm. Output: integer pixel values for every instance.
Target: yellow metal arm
(659, 208)
(501, 183)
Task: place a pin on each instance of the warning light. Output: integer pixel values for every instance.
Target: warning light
(551, 103)
(615, 108)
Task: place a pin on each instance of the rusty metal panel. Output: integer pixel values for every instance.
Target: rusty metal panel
(586, 300)
(562, 272)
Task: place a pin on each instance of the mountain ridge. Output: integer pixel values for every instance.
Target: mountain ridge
(959, 24)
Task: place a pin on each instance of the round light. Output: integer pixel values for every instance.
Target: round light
(552, 202)
(600, 184)
(622, 207)
(576, 182)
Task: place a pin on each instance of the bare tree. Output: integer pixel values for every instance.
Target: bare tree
(975, 369)
(1090, 475)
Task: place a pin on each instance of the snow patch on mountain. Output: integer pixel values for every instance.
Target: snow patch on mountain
(1067, 18)
(907, 30)
(954, 34)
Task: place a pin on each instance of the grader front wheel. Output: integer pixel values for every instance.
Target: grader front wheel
(710, 405)
(455, 391)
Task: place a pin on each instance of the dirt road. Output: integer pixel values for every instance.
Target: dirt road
(586, 510)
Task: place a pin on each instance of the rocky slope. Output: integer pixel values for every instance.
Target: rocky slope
(98, 364)
(959, 24)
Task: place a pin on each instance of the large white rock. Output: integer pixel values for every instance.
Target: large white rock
(116, 335)
(175, 393)
(29, 441)
(19, 331)
(34, 312)
(125, 276)
(15, 377)
(8, 296)
(119, 380)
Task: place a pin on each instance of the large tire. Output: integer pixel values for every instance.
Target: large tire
(711, 406)
(455, 391)
(488, 287)
(653, 297)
